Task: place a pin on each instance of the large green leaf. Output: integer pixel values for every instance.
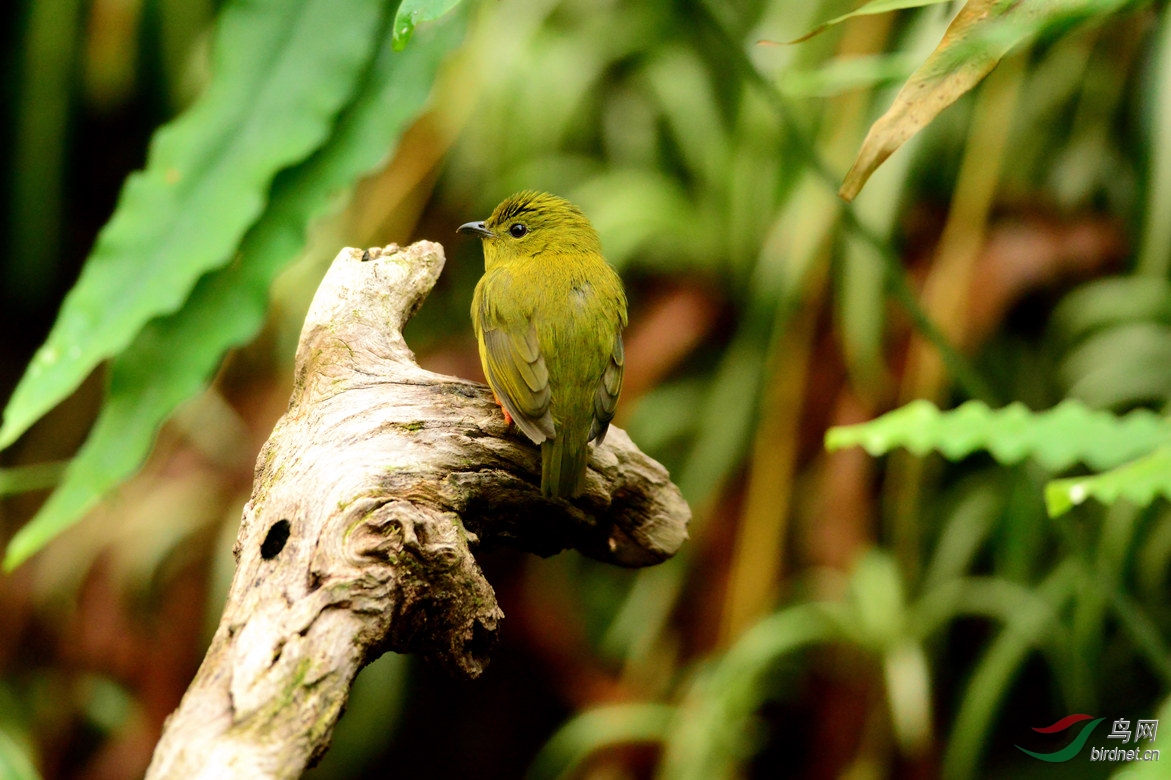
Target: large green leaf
(282, 70)
(174, 357)
(1057, 438)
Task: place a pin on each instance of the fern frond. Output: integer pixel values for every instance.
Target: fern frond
(1057, 438)
(1140, 482)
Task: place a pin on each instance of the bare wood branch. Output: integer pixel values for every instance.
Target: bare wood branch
(368, 499)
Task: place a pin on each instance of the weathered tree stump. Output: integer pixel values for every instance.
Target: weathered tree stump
(369, 498)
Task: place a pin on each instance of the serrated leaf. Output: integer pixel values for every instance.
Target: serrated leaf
(1139, 482)
(1057, 438)
(976, 40)
(282, 70)
(415, 12)
(174, 357)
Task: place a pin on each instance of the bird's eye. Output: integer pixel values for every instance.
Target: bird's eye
(518, 229)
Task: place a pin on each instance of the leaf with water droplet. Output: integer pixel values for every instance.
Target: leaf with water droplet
(413, 12)
(1140, 482)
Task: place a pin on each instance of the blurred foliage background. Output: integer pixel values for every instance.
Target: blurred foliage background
(833, 615)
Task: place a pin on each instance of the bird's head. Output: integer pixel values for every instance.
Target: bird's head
(530, 224)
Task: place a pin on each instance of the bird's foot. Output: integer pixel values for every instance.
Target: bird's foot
(507, 416)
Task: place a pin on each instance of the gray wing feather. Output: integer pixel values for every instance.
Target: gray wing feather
(609, 387)
(517, 373)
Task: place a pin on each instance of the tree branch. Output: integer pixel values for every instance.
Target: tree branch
(368, 499)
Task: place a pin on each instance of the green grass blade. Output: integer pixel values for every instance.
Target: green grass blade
(994, 598)
(728, 414)
(48, 68)
(282, 72)
(1154, 255)
(847, 74)
(595, 729)
(1139, 482)
(1120, 367)
(1143, 631)
(1057, 438)
(15, 762)
(38, 476)
(907, 675)
(1110, 302)
(174, 357)
(710, 737)
(868, 9)
(1028, 629)
(899, 286)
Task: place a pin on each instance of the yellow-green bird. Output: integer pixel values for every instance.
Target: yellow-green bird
(548, 315)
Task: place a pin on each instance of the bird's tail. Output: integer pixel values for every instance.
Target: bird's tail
(563, 463)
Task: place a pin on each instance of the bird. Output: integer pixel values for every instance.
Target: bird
(548, 315)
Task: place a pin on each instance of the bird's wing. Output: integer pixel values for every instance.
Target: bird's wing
(606, 397)
(517, 373)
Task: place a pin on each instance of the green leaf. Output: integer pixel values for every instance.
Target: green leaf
(282, 71)
(1121, 366)
(1140, 482)
(1108, 302)
(617, 724)
(1058, 438)
(846, 74)
(728, 413)
(1034, 625)
(869, 9)
(1154, 255)
(908, 690)
(876, 595)
(174, 357)
(44, 92)
(414, 12)
(38, 476)
(982, 33)
(709, 736)
(15, 761)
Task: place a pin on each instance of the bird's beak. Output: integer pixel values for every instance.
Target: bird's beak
(474, 227)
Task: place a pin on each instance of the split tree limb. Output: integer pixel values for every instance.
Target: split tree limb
(368, 499)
